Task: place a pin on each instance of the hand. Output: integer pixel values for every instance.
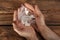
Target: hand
(47, 33)
(39, 17)
(25, 31)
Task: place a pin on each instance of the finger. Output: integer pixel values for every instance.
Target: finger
(19, 31)
(15, 29)
(14, 26)
(18, 27)
(29, 6)
(34, 26)
(19, 9)
(39, 13)
(15, 19)
(20, 24)
(37, 10)
(15, 16)
(32, 10)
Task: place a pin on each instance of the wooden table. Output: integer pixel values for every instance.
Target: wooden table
(50, 9)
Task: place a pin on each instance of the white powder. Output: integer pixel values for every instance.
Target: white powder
(24, 17)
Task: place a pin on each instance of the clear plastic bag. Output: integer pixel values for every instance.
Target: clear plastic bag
(25, 16)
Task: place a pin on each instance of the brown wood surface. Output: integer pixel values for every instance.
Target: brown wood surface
(51, 10)
(7, 32)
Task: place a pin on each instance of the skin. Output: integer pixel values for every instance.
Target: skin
(47, 33)
(28, 32)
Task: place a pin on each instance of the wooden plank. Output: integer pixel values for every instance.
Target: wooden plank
(51, 10)
(5, 22)
(23, 0)
(10, 23)
(54, 19)
(51, 18)
(6, 12)
(6, 17)
(7, 32)
(48, 5)
(56, 29)
(43, 5)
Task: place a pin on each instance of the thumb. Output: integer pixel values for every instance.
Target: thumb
(29, 6)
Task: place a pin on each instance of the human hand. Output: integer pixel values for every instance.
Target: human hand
(39, 17)
(25, 31)
(47, 33)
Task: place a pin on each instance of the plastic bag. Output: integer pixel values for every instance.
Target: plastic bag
(25, 16)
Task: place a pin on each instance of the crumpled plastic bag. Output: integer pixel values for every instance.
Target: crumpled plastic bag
(25, 16)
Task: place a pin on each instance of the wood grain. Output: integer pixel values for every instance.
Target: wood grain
(50, 9)
(7, 32)
(6, 18)
(56, 29)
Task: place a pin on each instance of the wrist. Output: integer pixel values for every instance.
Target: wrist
(40, 25)
(32, 38)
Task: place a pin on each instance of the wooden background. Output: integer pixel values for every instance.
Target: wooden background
(50, 9)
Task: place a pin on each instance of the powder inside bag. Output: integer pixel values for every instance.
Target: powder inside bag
(24, 16)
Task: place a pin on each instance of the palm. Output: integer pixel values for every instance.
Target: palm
(20, 28)
(39, 17)
(25, 31)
